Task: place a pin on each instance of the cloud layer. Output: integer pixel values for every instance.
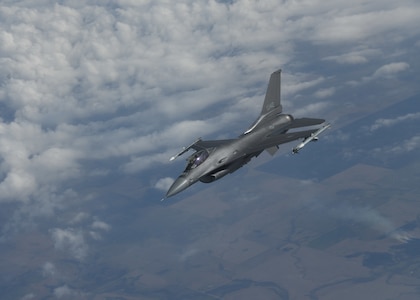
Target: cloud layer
(94, 90)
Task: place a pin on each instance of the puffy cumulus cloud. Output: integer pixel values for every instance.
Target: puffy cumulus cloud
(187, 253)
(122, 86)
(97, 227)
(96, 81)
(44, 203)
(164, 184)
(387, 71)
(20, 146)
(355, 57)
(300, 82)
(311, 109)
(141, 163)
(70, 240)
(98, 89)
(362, 21)
(372, 218)
(65, 292)
(76, 239)
(325, 93)
(101, 225)
(49, 269)
(390, 70)
(380, 123)
(349, 59)
(406, 146)
(28, 296)
(79, 218)
(72, 69)
(17, 184)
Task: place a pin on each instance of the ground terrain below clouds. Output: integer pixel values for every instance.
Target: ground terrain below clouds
(100, 95)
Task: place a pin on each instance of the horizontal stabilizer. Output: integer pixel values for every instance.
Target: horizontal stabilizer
(304, 122)
(282, 139)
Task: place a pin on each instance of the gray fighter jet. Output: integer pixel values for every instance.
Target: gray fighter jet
(215, 159)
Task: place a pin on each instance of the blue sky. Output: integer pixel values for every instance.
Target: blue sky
(93, 93)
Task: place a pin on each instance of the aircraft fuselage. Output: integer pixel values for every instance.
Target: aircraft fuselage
(215, 159)
(228, 158)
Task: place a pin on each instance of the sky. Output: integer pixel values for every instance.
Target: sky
(98, 92)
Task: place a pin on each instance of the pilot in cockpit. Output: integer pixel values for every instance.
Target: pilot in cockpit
(196, 159)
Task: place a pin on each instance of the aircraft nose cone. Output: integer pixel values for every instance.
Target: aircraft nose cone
(179, 185)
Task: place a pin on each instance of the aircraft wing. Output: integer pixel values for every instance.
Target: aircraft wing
(199, 145)
(282, 139)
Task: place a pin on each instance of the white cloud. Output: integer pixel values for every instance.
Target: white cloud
(354, 57)
(70, 240)
(406, 146)
(351, 59)
(380, 123)
(28, 296)
(387, 71)
(79, 218)
(300, 85)
(187, 253)
(45, 203)
(372, 218)
(391, 69)
(92, 91)
(141, 163)
(311, 109)
(34, 159)
(121, 87)
(49, 269)
(98, 82)
(64, 291)
(101, 225)
(325, 93)
(346, 25)
(17, 184)
(164, 184)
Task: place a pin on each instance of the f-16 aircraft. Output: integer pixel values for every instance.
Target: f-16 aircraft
(215, 159)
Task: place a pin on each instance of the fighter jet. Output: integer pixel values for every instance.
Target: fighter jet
(215, 159)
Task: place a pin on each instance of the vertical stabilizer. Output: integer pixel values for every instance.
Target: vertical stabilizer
(272, 96)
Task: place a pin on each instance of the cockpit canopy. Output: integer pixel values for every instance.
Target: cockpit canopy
(196, 159)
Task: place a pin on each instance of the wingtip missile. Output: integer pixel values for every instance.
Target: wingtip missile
(312, 137)
(184, 149)
(179, 154)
